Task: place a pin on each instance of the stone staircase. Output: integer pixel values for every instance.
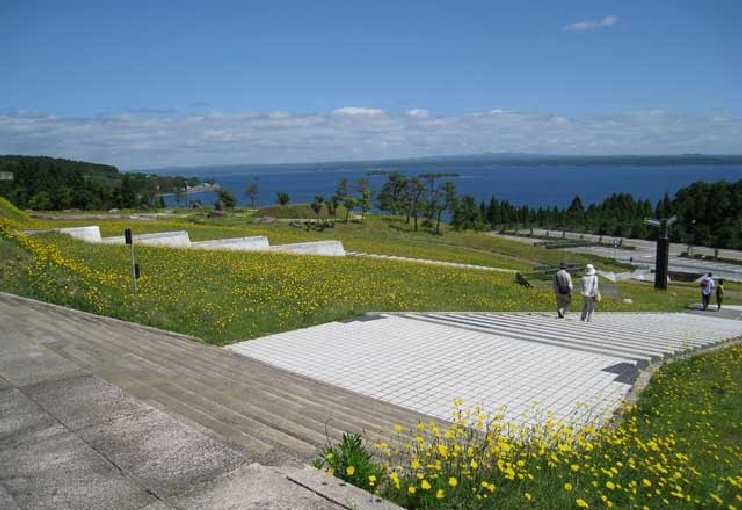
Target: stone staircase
(279, 417)
(641, 337)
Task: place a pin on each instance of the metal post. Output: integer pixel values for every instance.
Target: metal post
(133, 268)
(129, 237)
(663, 251)
(661, 263)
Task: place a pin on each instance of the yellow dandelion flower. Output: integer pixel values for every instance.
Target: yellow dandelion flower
(350, 470)
(582, 503)
(452, 482)
(440, 494)
(567, 486)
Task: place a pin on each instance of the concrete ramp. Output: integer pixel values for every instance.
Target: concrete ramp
(328, 248)
(238, 243)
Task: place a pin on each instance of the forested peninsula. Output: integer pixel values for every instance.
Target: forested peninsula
(50, 184)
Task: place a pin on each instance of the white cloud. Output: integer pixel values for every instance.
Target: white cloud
(358, 110)
(420, 114)
(156, 140)
(608, 21)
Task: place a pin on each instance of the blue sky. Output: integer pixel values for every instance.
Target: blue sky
(142, 84)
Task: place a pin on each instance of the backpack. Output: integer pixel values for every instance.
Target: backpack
(562, 285)
(705, 281)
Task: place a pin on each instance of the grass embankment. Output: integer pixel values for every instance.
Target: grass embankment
(224, 296)
(679, 447)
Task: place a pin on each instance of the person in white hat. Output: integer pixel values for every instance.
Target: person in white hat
(589, 288)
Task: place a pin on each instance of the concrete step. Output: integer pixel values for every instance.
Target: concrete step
(640, 338)
(248, 402)
(423, 361)
(216, 364)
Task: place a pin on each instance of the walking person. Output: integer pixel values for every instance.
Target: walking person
(707, 287)
(719, 294)
(590, 291)
(562, 290)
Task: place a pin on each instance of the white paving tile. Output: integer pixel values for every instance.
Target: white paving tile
(426, 361)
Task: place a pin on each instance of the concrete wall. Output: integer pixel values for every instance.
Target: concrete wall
(89, 234)
(178, 239)
(238, 243)
(329, 248)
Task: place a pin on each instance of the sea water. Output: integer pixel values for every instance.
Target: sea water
(537, 184)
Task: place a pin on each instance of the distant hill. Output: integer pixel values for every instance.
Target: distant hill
(16, 162)
(493, 159)
(44, 183)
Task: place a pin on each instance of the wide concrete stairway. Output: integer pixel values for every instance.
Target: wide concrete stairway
(579, 371)
(278, 417)
(641, 337)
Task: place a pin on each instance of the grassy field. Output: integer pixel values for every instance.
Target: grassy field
(226, 296)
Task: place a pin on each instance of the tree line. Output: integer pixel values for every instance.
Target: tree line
(51, 184)
(709, 214)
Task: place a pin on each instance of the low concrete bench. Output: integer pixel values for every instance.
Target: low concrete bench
(178, 238)
(237, 243)
(329, 248)
(90, 234)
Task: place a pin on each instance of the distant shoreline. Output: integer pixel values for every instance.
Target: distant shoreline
(198, 188)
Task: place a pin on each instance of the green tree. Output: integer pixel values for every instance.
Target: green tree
(364, 196)
(332, 208)
(251, 192)
(467, 214)
(282, 197)
(40, 201)
(393, 196)
(319, 200)
(227, 197)
(416, 190)
(350, 204)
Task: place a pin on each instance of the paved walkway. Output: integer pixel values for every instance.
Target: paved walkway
(528, 363)
(97, 413)
(428, 261)
(645, 254)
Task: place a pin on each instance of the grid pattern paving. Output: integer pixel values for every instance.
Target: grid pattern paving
(527, 363)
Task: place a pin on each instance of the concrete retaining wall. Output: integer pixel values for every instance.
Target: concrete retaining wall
(89, 234)
(329, 248)
(238, 243)
(178, 239)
